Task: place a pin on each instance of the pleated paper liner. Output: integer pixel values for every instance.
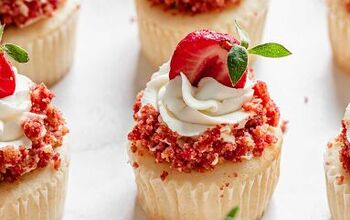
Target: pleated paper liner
(339, 32)
(210, 195)
(338, 184)
(160, 31)
(39, 195)
(50, 43)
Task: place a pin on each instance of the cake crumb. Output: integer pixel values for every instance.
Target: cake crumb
(340, 180)
(164, 175)
(135, 165)
(284, 126)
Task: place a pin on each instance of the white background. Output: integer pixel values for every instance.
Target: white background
(97, 96)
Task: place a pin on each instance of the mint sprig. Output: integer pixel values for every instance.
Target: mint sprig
(271, 50)
(237, 59)
(243, 35)
(232, 214)
(237, 62)
(17, 53)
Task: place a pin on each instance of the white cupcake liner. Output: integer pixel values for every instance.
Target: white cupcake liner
(338, 185)
(39, 195)
(50, 43)
(205, 196)
(160, 31)
(339, 32)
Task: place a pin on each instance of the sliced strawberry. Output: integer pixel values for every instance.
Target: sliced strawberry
(204, 54)
(7, 77)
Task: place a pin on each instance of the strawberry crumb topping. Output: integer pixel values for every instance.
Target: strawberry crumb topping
(204, 152)
(21, 12)
(345, 150)
(46, 132)
(347, 5)
(194, 6)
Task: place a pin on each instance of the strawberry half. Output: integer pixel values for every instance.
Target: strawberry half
(204, 54)
(7, 77)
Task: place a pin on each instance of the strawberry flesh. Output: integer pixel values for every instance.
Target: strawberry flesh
(204, 54)
(7, 77)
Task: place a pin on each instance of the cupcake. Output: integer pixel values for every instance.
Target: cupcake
(337, 169)
(46, 29)
(339, 31)
(33, 156)
(163, 23)
(206, 135)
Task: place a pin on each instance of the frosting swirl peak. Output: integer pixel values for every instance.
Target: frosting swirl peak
(190, 110)
(14, 110)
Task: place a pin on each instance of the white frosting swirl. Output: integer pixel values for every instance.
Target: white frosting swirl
(190, 110)
(347, 117)
(14, 110)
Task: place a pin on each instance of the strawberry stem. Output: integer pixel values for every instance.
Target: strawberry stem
(243, 35)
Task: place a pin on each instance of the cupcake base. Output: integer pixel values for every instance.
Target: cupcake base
(210, 195)
(38, 195)
(338, 184)
(50, 43)
(339, 32)
(161, 31)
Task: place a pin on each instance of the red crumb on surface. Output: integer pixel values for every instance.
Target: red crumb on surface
(339, 180)
(164, 175)
(330, 145)
(347, 5)
(284, 126)
(345, 149)
(21, 12)
(135, 165)
(45, 130)
(202, 153)
(194, 6)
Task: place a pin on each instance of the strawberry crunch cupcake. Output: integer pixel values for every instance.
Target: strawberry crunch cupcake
(46, 29)
(337, 169)
(207, 135)
(33, 157)
(339, 30)
(163, 23)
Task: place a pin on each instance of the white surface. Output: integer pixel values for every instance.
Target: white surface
(109, 70)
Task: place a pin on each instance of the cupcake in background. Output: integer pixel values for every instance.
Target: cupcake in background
(339, 31)
(337, 169)
(207, 135)
(33, 155)
(47, 30)
(163, 23)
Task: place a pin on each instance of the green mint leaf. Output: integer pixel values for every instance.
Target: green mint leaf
(15, 52)
(237, 63)
(243, 35)
(272, 50)
(2, 27)
(232, 214)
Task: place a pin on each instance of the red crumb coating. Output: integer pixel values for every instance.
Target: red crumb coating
(194, 6)
(20, 12)
(46, 133)
(345, 150)
(347, 5)
(204, 152)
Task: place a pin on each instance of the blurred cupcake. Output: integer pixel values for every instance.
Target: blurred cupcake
(163, 23)
(206, 137)
(339, 30)
(33, 157)
(47, 30)
(337, 169)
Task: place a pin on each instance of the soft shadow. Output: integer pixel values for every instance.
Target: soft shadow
(143, 73)
(139, 214)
